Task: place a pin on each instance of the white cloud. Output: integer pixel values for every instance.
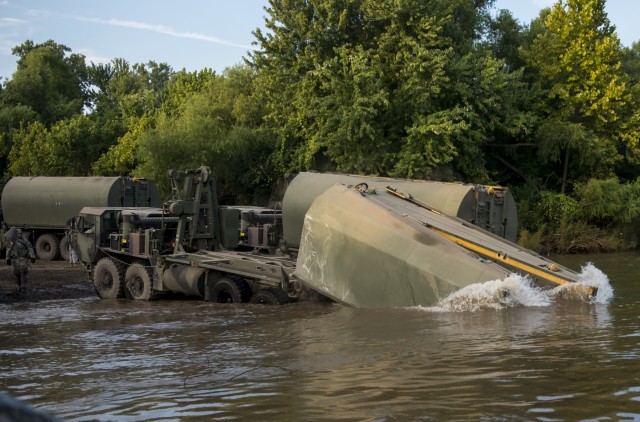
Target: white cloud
(161, 29)
(91, 57)
(11, 22)
(39, 13)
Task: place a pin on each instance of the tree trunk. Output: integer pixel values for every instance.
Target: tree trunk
(565, 171)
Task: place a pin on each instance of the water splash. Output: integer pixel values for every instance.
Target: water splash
(516, 290)
(496, 294)
(589, 276)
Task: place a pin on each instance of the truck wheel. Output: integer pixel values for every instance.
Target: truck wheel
(47, 247)
(137, 282)
(231, 290)
(107, 278)
(64, 249)
(270, 296)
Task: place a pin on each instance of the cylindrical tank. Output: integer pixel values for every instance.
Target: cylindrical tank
(185, 279)
(48, 202)
(490, 207)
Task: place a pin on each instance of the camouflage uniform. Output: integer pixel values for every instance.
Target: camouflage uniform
(19, 252)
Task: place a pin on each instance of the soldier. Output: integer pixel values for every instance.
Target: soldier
(18, 251)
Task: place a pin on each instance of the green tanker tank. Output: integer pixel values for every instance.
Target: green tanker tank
(41, 205)
(489, 207)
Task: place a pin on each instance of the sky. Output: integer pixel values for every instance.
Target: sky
(190, 34)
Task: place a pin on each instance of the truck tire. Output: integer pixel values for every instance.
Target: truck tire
(47, 247)
(270, 296)
(107, 278)
(138, 283)
(231, 290)
(64, 249)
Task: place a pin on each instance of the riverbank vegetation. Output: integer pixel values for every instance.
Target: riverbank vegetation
(427, 89)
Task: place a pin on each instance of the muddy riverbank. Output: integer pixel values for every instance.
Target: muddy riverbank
(47, 280)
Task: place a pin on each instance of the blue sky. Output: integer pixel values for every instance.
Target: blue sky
(191, 34)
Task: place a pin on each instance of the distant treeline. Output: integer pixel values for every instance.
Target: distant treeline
(426, 89)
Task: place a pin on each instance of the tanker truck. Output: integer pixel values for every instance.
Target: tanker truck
(363, 242)
(41, 206)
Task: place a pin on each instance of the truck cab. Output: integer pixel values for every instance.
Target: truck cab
(138, 231)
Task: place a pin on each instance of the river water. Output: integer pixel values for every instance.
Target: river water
(482, 357)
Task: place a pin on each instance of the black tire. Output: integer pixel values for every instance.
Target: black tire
(48, 247)
(270, 296)
(231, 290)
(138, 282)
(108, 280)
(64, 249)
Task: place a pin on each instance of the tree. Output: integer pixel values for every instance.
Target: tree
(629, 168)
(219, 126)
(382, 87)
(48, 85)
(11, 118)
(121, 157)
(50, 81)
(125, 101)
(505, 36)
(577, 59)
(121, 90)
(630, 63)
(68, 148)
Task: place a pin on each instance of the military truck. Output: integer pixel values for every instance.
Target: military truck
(41, 206)
(191, 246)
(359, 245)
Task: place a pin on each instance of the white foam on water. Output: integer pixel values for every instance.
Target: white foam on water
(516, 290)
(496, 294)
(589, 276)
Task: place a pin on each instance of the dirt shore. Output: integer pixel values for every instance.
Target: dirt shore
(47, 280)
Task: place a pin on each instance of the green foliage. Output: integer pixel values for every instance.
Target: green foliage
(181, 87)
(121, 158)
(576, 58)
(532, 240)
(122, 90)
(28, 151)
(554, 209)
(630, 63)
(68, 148)
(129, 98)
(504, 37)
(590, 156)
(630, 113)
(11, 118)
(219, 127)
(50, 82)
(600, 215)
(556, 224)
(385, 87)
(608, 202)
